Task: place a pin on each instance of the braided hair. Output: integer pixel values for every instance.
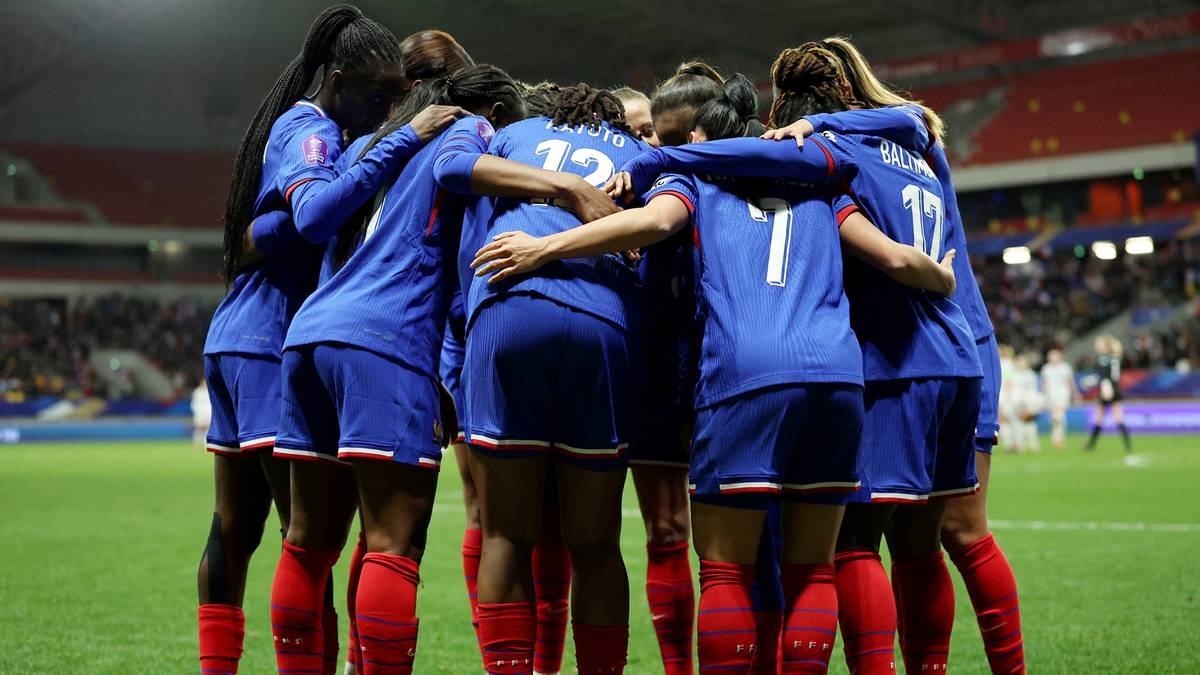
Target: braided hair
(582, 105)
(471, 88)
(868, 89)
(732, 114)
(808, 79)
(538, 97)
(340, 38)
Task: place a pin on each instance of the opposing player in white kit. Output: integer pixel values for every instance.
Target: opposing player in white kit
(1027, 403)
(1061, 390)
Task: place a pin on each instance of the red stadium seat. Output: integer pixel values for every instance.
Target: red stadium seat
(138, 187)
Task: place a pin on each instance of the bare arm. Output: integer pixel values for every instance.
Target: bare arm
(903, 264)
(499, 177)
(512, 253)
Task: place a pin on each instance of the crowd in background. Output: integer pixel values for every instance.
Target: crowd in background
(1056, 298)
(1046, 303)
(45, 345)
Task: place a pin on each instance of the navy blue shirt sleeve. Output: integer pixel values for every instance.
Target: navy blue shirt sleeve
(461, 146)
(903, 125)
(320, 207)
(272, 231)
(750, 157)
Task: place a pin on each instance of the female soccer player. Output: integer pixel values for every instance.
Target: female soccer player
(283, 168)
(922, 394)
(675, 102)
(974, 550)
(360, 364)
(637, 114)
(1108, 368)
(1061, 390)
(809, 448)
(547, 383)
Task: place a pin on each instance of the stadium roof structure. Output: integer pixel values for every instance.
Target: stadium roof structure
(243, 43)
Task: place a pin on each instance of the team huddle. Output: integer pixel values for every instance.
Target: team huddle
(774, 329)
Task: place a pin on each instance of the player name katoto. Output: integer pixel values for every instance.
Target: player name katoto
(603, 132)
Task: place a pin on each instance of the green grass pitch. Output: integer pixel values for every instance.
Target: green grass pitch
(99, 544)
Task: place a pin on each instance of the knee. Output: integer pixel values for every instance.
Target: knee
(960, 530)
(238, 535)
(593, 549)
(668, 528)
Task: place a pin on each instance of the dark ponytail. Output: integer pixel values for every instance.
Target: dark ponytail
(808, 79)
(340, 37)
(471, 88)
(734, 113)
(693, 84)
(582, 105)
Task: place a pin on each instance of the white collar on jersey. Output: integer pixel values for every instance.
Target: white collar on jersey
(312, 105)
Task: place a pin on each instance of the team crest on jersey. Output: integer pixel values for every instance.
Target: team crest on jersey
(485, 130)
(315, 150)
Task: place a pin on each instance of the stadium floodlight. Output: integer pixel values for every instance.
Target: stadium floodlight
(1017, 255)
(1104, 250)
(1139, 245)
(172, 247)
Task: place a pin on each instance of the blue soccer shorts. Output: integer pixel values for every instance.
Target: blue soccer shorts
(244, 390)
(342, 403)
(542, 377)
(987, 429)
(450, 370)
(800, 441)
(918, 440)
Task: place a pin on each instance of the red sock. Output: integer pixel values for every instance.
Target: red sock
(386, 613)
(506, 631)
(353, 651)
(672, 604)
(552, 587)
(866, 612)
(329, 631)
(222, 628)
(811, 624)
(768, 646)
(297, 601)
(927, 595)
(726, 630)
(993, 590)
(600, 650)
(472, 547)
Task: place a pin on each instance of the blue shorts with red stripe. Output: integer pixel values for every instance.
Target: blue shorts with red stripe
(987, 429)
(799, 440)
(542, 377)
(244, 391)
(342, 402)
(918, 440)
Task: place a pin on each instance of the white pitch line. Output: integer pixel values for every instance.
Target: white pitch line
(1067, 526)
(1032, 525)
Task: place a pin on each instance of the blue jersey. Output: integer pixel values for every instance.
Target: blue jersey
(392, 295)
(768, 270)
(668, 332)
(906, 125)
(600, 285)
(254, 316)
(906, 333)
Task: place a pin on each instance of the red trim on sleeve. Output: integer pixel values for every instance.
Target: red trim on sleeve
(828, 156)
(696, 237)
(682, 197)
(433, 213)
(287, 196)
(845, 213)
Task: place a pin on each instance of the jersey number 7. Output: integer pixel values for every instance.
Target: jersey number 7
(781, 235)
